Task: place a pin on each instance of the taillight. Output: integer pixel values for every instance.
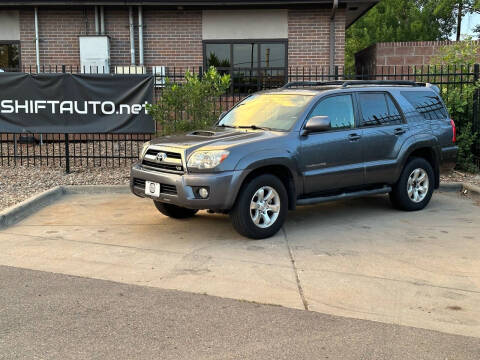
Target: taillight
(454, 129)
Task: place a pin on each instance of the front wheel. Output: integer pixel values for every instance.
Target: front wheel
(261, 207)
(174, 211)
(414, 189)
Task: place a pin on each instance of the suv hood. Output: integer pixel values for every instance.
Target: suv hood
(213, 139)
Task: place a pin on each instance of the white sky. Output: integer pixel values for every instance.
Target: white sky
(468, 23)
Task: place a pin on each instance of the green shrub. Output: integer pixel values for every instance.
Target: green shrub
(189, 105)
(459, 57)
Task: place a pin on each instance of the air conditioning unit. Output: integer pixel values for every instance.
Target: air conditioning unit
(159, 73)
(94, 54)
(130, 70)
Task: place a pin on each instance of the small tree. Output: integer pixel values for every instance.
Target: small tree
(191, 104)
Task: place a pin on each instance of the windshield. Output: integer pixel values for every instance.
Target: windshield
(272, 111)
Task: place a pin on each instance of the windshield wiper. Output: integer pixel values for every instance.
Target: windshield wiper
(226, 126)
(254, 127)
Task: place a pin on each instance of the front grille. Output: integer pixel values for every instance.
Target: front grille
(163, 166)
(164, 188)
(139, 183)
(171, 155)
(168, 189)
(170, 161)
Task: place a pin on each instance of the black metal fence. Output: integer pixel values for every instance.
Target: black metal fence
(113, 150)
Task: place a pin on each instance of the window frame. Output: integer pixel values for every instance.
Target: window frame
(385, 93)
(258, 66)
(355, 112)
(18, 43)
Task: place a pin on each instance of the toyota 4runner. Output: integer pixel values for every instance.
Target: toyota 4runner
(305, 143)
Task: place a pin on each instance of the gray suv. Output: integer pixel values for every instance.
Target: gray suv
(305, 143)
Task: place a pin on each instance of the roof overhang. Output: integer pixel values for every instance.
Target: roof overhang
(354, 8)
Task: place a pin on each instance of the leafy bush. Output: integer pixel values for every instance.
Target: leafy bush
(460, 56)
(189, 105)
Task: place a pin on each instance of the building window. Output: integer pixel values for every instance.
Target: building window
(252, 64)
(9, 56)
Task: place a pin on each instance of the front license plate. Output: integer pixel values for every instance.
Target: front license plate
(152, 188)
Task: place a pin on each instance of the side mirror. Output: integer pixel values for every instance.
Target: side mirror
(222, 115)
(317, 124)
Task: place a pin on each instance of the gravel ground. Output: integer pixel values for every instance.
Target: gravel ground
(457, 176)
(20, 183)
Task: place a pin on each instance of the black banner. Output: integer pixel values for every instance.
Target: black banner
(75, 103)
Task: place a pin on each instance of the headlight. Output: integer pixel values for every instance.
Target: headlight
(144, 150)
(207, 159)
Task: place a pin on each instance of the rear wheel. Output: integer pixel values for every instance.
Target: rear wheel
(414, 189)
(261, 207)
(174, 211)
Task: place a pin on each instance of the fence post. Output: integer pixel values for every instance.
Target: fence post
(67, 155)
(67, 147)
(476, 120)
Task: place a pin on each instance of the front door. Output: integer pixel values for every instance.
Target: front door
(332, 159)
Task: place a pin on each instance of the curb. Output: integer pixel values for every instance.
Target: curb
(18, 212)
(460, 187)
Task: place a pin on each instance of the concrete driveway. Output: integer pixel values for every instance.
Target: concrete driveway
(357, 258)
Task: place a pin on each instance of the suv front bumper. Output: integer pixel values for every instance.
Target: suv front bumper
(222, 186)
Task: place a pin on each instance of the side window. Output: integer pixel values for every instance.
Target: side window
(339, 109)
(378, 109)
(426, 103)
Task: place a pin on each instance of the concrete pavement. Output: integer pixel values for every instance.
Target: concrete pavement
(357, 258)
(52, 316)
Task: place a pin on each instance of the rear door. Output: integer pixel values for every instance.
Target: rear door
(384, 132)
(333, 159)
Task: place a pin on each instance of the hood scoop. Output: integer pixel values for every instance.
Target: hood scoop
(205, 133)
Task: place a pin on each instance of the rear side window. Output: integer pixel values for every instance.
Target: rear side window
(378, 109)
(426, 103)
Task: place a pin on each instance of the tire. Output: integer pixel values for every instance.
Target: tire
(414, 189)
(252, 222)
(174, 211)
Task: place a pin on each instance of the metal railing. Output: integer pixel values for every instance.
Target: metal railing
(80, 150)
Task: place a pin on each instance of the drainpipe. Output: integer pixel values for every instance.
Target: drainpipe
(140, 34)
(37, 41)
(102, 20)
(97, 29)
(332, 37)
(132, 34)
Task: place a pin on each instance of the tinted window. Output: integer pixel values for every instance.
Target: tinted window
(426, 103)
(378, 109)
(218, 55)
(339, 109)
(10, 56)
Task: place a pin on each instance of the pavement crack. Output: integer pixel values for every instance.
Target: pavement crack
(295, 270)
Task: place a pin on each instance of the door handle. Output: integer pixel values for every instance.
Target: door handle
(354, 137)
(399, 131)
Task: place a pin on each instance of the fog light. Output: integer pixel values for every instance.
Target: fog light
(203, 192)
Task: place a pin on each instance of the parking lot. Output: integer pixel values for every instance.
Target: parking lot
(358, 258)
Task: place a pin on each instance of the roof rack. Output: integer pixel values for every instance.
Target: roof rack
(347, 83)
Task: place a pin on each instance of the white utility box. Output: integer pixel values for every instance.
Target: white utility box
(95, 54)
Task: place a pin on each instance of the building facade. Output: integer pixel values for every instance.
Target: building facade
(257, 37)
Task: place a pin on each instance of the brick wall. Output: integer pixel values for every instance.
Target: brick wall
(58, 31)
(397, 54)
(171, 37)
(309, 37)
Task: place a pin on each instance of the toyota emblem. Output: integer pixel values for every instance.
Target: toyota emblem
(161, 156)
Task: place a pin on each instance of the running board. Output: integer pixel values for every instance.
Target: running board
(321, 199)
